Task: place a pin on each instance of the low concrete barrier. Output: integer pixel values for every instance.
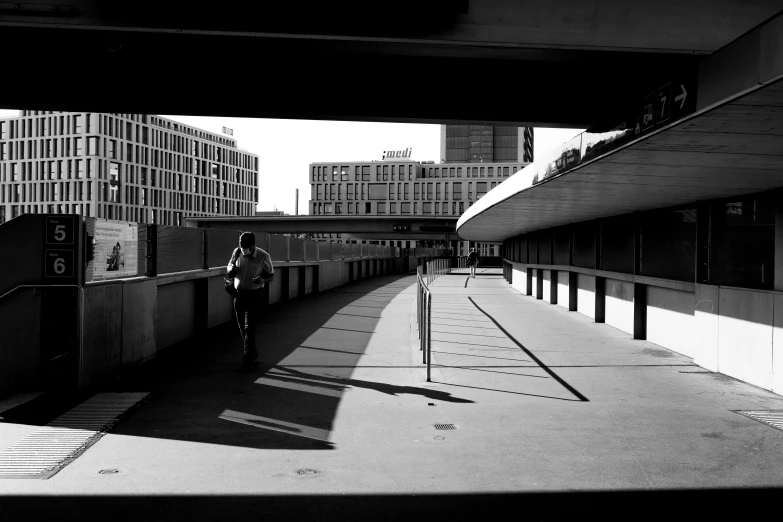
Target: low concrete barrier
(734, 331)
(129, 320)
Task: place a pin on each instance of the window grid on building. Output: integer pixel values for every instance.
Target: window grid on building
(130, 167)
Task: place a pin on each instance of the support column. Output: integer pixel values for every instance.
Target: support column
(639, 311)
(573, 290)
(779, 243)
(302, 281)
(284, 283)
(600, 299)
(539, 283)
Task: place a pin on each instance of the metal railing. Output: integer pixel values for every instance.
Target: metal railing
(435, 269)
(423, 317)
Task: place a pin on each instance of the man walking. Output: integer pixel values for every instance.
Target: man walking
(472, 262)
(247, 268)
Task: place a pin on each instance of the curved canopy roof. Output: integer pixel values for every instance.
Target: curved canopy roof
(732, 150)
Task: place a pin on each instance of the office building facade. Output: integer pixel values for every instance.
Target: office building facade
(130, 167)
(402, 188)
(485, 144)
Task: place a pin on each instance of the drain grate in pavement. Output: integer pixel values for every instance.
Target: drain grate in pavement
(44, 452)
(773, 418)
(445, 427)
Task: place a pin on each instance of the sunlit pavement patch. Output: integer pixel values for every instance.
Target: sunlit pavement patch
(267, 423)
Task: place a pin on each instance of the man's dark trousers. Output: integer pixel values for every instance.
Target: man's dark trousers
(247, 303)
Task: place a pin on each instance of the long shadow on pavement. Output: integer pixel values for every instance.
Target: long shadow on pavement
(198, 394)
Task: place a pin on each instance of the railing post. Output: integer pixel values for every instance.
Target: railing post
(425, 296)
(418, 305)
(429, 334)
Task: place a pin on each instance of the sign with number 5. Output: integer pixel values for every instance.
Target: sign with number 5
(59, 230)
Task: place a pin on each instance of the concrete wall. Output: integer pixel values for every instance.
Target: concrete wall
(220, 305)
(102, 340)
(293, 282)
(332, 274)
(670, 319)
(519, 279)
(734, 331)
(276, 287)
(308, 280)
(745, 335)
(585, 299)
(547, 286)
(619, 305)
(706, 317)
(127, 321)
(176, 312)
(562, 289)
(139, 317)
(777, 344)
(738, 332)
(534, 282)
(20, 341)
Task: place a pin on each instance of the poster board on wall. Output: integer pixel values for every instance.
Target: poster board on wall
(115, 250)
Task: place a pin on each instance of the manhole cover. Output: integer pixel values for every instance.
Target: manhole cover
(306, 472)
(445, 427)
(108, 471)
(772, 418)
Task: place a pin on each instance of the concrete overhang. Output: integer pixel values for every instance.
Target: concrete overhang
(380, 227)
(526, 54)
(732, 145)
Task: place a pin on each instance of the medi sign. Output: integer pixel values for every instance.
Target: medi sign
(397, 154)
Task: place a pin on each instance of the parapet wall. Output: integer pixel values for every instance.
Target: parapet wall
(734, 331)
(127, 321)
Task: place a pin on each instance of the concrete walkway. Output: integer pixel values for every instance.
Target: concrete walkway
(340, 415)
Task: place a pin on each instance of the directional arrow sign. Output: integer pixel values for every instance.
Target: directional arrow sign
(681, 97)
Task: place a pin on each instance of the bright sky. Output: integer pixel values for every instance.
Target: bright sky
(286, 148)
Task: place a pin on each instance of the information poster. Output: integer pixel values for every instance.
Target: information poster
(116, 249)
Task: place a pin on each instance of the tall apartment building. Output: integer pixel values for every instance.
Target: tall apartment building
(130, 167)
(402, 188)
(486, 144)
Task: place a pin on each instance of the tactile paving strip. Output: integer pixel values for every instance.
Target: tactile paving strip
(44, 452)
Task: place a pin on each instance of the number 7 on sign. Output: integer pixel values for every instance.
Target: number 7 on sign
(664, 110)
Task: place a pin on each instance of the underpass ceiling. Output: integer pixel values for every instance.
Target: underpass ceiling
(678, 26)
(733, 150)
(352, 61)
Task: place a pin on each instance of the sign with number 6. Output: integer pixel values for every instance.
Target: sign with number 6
(58, 263)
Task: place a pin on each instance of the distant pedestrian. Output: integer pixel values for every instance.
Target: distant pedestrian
(473, 259)
(250, 267)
